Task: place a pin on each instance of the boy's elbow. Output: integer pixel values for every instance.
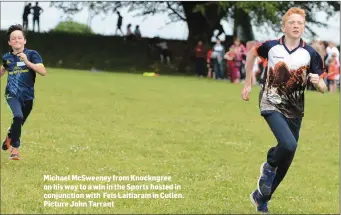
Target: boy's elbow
(43, 71)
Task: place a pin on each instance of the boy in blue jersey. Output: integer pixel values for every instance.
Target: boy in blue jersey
(291, 64)
(22, 64)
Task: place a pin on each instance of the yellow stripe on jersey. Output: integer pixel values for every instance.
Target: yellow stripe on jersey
(18, 71)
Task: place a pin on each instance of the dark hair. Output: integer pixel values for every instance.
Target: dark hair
(325, 43)
(12, 28)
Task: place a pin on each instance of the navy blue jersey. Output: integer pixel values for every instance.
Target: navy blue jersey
(21, 79)
(287, 76)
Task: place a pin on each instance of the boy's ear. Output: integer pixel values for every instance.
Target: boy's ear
(282, 28)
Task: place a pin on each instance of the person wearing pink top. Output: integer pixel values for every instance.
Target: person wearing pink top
(239, 51)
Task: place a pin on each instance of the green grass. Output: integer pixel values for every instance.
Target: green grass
(197, 131)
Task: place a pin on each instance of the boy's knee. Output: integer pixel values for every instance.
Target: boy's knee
(17, 113)
(290, 145)
(18, 119)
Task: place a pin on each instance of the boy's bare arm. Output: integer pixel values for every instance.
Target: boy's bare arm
(250, 60)
(38, 68)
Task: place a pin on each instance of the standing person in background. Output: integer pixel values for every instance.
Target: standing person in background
(137, 32)
(200, 59)
(218, 55)
(27, 11)
(240, 52)
(37, 11)
(319, 48)
(232, 69)
(119, 23)
(210, 73)
(129, 34)
(330, 50)
(324, 44)
(333, 72)
(165, 54)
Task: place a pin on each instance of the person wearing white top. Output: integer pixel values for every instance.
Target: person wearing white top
(330, 50)
(218, 53)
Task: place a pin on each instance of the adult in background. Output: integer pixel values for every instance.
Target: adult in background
(200, 59)
(27, 11)
(165, 53)
(119, 23)
(319, 48)
(218, 53)
(330, 50)
(37, 11)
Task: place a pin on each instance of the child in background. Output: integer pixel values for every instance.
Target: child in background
(232, 68)
(333, 72)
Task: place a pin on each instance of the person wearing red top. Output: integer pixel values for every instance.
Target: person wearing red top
(233, 70)
(200, 59)
(210, 74)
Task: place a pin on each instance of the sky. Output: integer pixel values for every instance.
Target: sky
(11, 13)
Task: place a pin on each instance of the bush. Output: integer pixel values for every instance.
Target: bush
(72, 27)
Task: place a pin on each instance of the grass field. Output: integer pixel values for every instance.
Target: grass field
(197, 131)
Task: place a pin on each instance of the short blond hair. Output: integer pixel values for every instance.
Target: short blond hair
(293, 10)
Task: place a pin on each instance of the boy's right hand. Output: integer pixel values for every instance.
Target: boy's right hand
(246, 92)
(2, 70)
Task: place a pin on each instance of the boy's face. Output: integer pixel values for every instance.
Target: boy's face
(294, 26)
(17, 40)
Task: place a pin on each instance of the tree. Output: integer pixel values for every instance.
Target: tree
(203, 17)
(72, 27)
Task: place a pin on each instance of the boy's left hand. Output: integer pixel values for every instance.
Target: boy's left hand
(314, 78)
(23, 57)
